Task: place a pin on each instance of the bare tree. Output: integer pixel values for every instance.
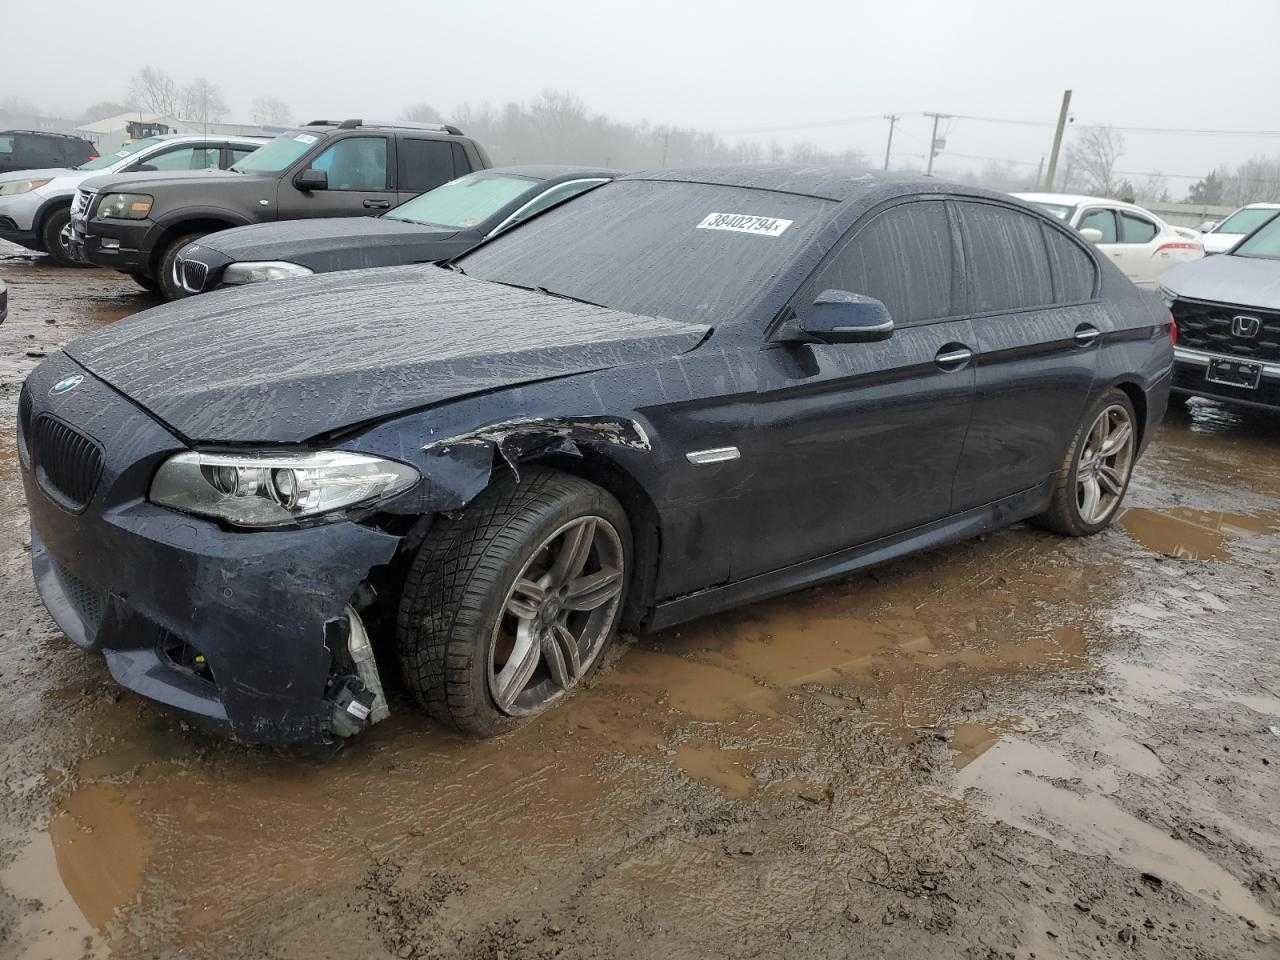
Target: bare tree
(153, 90)
(103, 109)
(202, 102)
(271, 111)
(421, 112)
(1092, 157)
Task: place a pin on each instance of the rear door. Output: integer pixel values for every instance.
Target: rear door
(857, 441)
(361, 172)
(1037, 323)
(1139, 241)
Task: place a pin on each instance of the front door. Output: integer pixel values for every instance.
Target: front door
(1037, 325)
(853, 442)
(361, 183)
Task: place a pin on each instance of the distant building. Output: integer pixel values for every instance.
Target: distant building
(113, 132)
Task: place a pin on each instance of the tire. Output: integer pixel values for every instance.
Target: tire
(1066, 513)
(51, 235)
(145, 282)
(455, 621)
(164, 270)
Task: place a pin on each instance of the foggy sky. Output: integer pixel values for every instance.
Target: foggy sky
(727, 67)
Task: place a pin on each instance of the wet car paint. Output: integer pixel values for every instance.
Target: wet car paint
(783, 774)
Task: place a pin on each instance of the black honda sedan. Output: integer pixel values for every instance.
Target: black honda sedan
(437, 225)
(677, 393)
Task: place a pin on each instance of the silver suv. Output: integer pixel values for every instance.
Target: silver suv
(35, 205)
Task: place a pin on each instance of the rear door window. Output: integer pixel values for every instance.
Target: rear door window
(903, 257)
(1008, 262)
(1136, 229)
(1104, 221)
(424, 164)
(183, 158)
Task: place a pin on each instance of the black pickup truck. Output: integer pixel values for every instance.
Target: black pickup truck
(137, 223)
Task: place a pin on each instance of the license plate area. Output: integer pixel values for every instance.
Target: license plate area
(1234, 373)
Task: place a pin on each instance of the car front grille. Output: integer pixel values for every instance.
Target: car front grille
(192, 274)
(1212, 327)
(68, 464)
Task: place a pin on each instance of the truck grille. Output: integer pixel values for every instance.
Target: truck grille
(192, 274)
(1209, 327)
(68, 464)
(81, 202)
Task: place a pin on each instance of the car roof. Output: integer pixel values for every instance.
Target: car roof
(1261, 206)
(221, 138)
(46, 133)
(1076, 200)
(836, 182)
(555, 171)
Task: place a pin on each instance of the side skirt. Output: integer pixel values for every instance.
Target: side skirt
(962, 526)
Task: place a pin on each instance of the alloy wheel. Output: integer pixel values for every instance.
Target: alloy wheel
(1106, 457)
(556, 617)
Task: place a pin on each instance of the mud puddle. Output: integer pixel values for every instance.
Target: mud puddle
(1184, 533)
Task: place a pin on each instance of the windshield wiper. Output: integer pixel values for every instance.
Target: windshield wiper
(565, 296)
(456, 268)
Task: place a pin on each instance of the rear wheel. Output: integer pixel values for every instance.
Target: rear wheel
(168, 284)
(1096, 472)
(54, 237)
(509, 607)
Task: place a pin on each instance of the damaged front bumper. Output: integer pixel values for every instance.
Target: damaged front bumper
(250, 633)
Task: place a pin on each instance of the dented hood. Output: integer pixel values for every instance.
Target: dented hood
(285, 361)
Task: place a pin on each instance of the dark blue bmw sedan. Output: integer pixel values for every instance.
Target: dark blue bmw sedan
(680, 392)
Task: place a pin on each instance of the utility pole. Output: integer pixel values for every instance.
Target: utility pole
(893, 119)
(933, 139)
(1057, 142)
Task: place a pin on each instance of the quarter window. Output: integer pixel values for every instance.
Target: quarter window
(1007, 259)
(1135, 229)
(903, 258)
(355, 163)
(1074, 274)
(425, 164)
(1103, 221)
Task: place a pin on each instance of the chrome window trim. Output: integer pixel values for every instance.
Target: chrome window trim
(528, 203)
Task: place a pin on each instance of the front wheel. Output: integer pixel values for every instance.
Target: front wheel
(169, 286)
(507, 608)
(1096, 472)
(145, 282)
(54, 233)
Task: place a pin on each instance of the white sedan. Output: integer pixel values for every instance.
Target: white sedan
(1228, 233)
(1137, 241)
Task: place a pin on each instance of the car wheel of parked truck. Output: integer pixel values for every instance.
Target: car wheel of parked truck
(1096, 471)
(170, 289)
(507, 608)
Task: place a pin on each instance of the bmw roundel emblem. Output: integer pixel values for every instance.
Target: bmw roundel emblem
(66, 385)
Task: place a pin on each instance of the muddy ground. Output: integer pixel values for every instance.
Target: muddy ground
(1023, 746)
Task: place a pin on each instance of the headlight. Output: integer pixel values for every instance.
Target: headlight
(255, 272)
(123, 206)
(12, 188)
(274, 490)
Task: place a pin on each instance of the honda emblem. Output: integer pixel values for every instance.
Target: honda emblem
(1243, 326)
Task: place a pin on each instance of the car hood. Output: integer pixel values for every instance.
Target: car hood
(294, 240)
(162, 179)
(1244, 281)
(286, 361)
(52, 173)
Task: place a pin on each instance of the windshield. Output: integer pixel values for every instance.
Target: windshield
(128, 150)
(278, 154)
(1246, 220)
(1059, 211)
(1263, 243)
(463, 202)
(685, 251)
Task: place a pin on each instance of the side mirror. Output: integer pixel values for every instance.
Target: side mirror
(838, 316)
(311, 179)
(1208, 225)
(1092, 234)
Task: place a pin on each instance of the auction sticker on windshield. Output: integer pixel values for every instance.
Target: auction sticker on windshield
(745, 223)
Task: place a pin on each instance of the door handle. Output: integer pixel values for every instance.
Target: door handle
(1085, 334)
(377, 204)
(953, 356)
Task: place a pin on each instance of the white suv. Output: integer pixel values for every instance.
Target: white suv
(35, 205)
